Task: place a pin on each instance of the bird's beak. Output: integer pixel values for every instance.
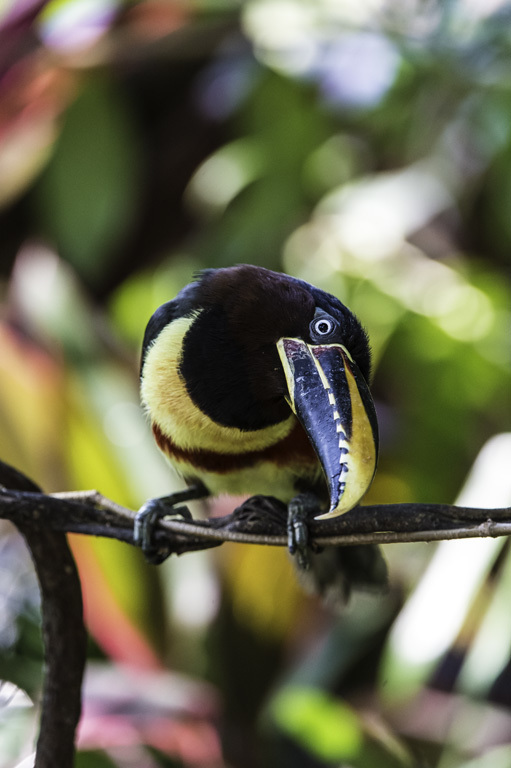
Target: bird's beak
(331, 399)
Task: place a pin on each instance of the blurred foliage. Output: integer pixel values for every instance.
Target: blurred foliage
(364, 146)
(329, 729)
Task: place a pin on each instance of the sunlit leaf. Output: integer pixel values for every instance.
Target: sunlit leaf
(488, 655)
(325, 726)
(332, 732)
(435, 613)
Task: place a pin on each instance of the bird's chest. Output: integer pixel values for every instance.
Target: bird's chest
(271, 464)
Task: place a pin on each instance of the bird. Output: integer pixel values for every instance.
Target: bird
(256, 383)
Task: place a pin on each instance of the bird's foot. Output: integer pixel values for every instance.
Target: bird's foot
(145, 523)
(155, 509)
(299, 511)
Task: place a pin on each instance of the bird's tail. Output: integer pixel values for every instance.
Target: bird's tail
(335, 571)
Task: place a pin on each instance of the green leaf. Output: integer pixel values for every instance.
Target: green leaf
(324, 726)
(331, 731)
(95, 759)
(87, 195)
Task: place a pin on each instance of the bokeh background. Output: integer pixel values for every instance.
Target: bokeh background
(365, 146)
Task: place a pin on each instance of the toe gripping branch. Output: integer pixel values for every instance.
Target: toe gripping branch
(154, 510)
(300, 511)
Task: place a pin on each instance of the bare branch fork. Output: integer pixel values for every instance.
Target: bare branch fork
(44, 520)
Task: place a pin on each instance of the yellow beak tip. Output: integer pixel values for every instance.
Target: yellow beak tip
(327, 515)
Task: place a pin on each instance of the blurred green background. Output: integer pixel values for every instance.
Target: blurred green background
(364, 146)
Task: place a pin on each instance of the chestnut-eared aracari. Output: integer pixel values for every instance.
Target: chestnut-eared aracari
(256, 383)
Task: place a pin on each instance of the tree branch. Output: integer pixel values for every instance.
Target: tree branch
(259, 520)
(64, 635)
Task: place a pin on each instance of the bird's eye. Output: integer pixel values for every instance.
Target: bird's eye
(322, 327)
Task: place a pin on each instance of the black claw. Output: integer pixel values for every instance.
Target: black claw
(145, 522)
(143, 532)
(300, 509)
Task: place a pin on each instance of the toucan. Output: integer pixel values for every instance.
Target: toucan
(256, 383)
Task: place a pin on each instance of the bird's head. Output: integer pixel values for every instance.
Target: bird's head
(251, 344)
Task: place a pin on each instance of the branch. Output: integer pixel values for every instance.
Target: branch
(259, 520)
(64, 635)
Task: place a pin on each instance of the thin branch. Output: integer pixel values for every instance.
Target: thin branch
(488, 528)
(260, 520)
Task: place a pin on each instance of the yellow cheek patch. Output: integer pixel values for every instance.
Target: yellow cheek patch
(165, 397)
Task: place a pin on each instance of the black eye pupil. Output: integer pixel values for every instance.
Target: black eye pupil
(323, 327)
